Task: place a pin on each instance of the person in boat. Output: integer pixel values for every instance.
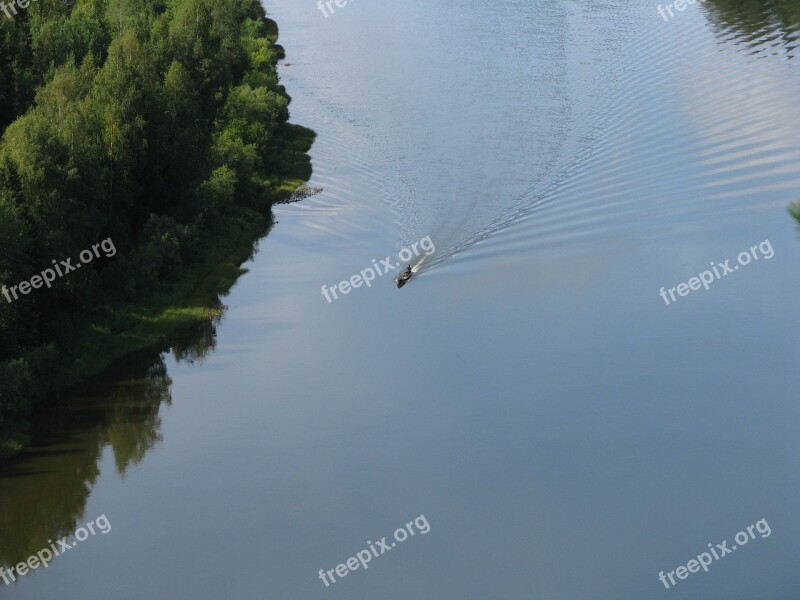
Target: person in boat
(404, 276)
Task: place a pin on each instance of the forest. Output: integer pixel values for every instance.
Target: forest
(158, 124)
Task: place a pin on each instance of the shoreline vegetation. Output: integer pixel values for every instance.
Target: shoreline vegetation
(159, 124)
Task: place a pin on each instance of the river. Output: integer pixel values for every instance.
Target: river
(567, 429)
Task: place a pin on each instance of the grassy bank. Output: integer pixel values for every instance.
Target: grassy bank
(161, 130)
(118, 329)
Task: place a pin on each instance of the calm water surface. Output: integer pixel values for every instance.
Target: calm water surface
(565, 432)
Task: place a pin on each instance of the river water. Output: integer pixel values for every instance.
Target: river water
(565, 430)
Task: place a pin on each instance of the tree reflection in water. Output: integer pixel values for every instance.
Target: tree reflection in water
(43, 493)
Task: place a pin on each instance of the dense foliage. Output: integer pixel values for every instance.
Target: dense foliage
(755, 16)
(146, 121)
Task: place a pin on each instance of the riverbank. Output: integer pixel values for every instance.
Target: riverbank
(187, 255)
(117, 330)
